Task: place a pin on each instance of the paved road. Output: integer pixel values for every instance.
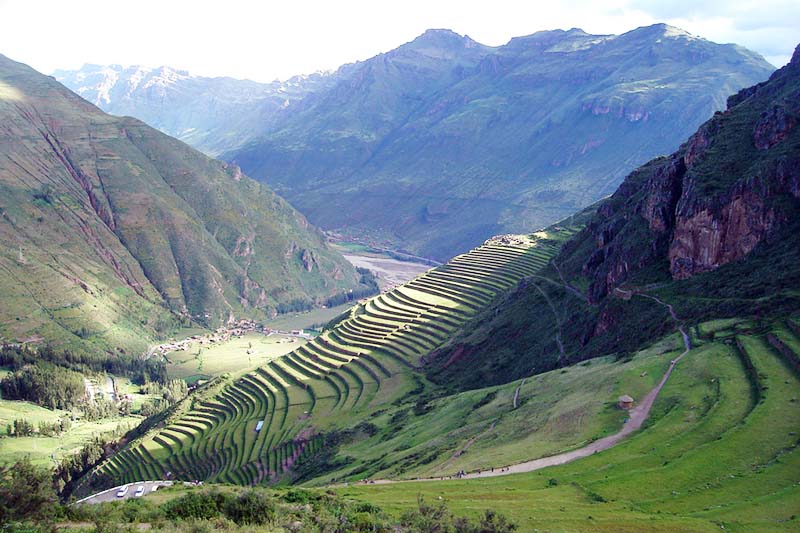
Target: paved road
(110, 389)
(110, 495)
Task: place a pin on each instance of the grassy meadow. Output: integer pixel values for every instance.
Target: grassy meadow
(40, 449)
(307, 319)
(719, 450)
(229, 357)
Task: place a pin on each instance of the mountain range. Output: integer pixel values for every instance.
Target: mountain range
(114, 233)
(713, 229)
(211, 114)
(442, 142)
(682, 288)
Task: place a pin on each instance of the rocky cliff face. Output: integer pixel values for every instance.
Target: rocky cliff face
(713, 201)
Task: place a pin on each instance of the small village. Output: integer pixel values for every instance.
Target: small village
(225, 333)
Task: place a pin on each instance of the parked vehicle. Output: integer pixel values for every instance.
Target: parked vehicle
(139, 491)
(122, 491)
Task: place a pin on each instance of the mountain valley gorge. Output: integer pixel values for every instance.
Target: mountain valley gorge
(597, 328)
(443, 142)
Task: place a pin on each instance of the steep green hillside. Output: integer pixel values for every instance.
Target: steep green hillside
(112, 232)
(271, 423)
(712, 230)
(443, 142)
(720, 451)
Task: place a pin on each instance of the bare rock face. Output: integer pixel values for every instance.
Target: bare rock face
(308, 260)
(773, 126)
(707, 239)
(729, 187)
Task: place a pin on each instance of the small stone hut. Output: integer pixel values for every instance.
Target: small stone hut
(625, 402)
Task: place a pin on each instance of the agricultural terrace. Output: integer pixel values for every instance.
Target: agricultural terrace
(257, 428)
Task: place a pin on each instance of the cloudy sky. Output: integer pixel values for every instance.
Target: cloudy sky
(265, 40)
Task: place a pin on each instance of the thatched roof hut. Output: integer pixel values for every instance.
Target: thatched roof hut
(625, 401)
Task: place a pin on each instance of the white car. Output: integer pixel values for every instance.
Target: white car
(122, 491)
(139, 491)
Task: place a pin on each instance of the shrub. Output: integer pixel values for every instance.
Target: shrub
(485, 400)
(250, 508)
(194, 505)
(26, 493)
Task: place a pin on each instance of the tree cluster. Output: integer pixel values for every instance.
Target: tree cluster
(46, 385)
(99, 409)
(26, 493)
(138, 369)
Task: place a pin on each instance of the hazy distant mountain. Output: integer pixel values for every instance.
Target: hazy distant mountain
(713, 229)
(442, 142)
(211, 114)
(111, 230)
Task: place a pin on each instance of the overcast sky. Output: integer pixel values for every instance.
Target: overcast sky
(265, 40)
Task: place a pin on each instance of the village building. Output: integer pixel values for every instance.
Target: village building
(625, 402)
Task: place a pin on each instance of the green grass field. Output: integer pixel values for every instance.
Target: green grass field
(40, 449)
(306, 319)
(557, 411)
(229, 357)
(719, 449)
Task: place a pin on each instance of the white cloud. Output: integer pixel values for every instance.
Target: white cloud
(263, 40)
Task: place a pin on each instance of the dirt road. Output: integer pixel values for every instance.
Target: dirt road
(637, 417)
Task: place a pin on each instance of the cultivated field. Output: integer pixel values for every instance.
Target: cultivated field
(256, 428)
(306, 319)
(41, 450)
(231, 356)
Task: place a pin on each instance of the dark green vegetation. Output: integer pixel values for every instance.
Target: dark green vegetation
(28, 503)
(365, 363)
(46, 385)
(443, 142)
(139, 369)
(26, 494)
(114, 234)
(712, 229)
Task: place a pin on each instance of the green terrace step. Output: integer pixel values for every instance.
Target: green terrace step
(362, 362)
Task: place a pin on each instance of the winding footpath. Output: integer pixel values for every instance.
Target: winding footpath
(637, 417)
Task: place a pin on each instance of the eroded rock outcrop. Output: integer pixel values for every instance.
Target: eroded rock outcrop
(729, 187)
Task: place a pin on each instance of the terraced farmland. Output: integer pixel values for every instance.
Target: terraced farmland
(255, 429)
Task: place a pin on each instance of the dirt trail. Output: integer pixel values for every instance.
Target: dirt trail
(516, 393)
(637, 417)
